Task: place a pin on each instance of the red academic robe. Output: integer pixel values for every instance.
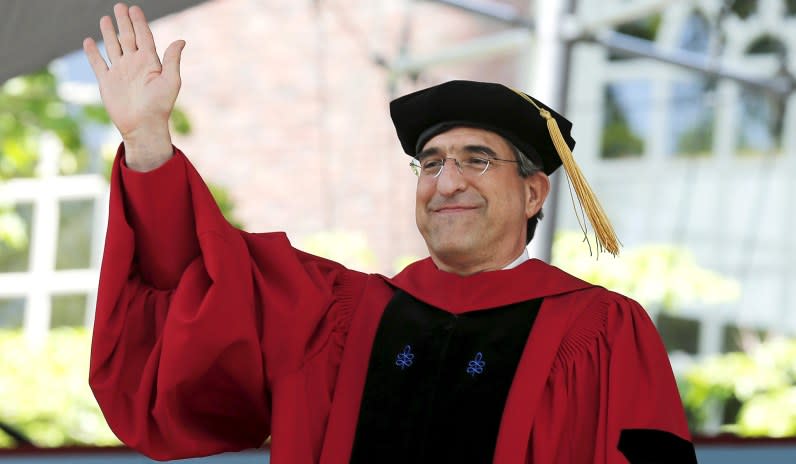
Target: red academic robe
(209, 339)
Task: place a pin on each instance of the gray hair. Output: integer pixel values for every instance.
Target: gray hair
(525, 164)
(526, 168)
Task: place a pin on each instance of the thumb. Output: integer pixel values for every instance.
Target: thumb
(171, 60)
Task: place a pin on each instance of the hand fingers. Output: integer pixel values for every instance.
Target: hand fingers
(126, 32)
(109, 37)
(94, 58)
(143, 35)
(171, 61)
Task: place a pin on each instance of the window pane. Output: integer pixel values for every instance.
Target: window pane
(767, 44)
(740, 338)
(761, 116)
(695, 35)
(646, 28)
(790, 7)
(15, 232)
(68, 311)
(627, 114)
(12, 313)
(743, 8)
(760, 124)
(679, 334)
(691, 118)
(74, 234)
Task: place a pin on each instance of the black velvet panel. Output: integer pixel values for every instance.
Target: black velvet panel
(648, 446)
(437, 382)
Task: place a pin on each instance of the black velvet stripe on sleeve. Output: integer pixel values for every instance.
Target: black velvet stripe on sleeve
(649, 446)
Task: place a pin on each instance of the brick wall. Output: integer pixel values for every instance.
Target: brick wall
(290, 112)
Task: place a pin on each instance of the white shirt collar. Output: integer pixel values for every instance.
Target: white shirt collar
(520, 259)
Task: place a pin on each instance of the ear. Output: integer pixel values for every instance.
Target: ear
(537, 187)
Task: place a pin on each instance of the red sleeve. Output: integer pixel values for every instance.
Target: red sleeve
(157, 206)
(178, 362)
(644, 417)
(611, 397)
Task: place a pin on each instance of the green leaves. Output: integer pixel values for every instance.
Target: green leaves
(33, 107)
(45, 390)
(763, 380)
(664, 276)
(180, 122)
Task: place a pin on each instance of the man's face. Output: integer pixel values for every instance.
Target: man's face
(475, 223)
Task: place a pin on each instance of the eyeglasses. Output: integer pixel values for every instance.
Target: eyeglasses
(473, 166)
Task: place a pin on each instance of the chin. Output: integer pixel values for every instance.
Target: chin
(452, 239)
(448, 250)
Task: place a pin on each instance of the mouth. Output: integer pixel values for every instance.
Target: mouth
(453, 209)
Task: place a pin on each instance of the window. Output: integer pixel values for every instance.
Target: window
(679, 334)
(761, 116)
(74, 234)
(68, 310)
(743, 8)
(12, 313)
(14, 243)
(691, 118)
(626, 119)
(646, 28)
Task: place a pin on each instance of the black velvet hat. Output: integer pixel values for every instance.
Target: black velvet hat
(421, 115)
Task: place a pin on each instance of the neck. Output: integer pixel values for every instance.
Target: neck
(463, 266)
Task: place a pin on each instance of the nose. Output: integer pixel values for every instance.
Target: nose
(450, 180)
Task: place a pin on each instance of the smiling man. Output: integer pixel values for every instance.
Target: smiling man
(210, 339)
(470, 221)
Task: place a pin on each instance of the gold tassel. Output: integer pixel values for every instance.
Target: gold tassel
(603, 230)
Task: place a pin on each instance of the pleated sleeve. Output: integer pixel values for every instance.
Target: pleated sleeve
(196, 320)
(611, 397)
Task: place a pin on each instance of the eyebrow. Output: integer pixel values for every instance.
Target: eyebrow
(470, 149)
(480, 149)
(427, 152)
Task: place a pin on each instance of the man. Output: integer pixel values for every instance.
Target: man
(210, 339)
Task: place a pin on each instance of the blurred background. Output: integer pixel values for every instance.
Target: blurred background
(683, 111)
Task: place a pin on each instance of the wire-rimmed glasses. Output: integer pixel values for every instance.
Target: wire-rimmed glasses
(473, 166)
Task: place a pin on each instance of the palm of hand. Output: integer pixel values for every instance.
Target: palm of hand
(137, 90)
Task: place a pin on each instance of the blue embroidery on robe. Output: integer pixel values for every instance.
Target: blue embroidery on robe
(476, 366)
(405, 358)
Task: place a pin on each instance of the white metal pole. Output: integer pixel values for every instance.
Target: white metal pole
(548, 82)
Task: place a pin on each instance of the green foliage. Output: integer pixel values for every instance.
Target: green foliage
(45, 390)
(743, 8)
(12, 230)
(644, 28)
(180, 122)
(663, 276)
(225, 204)
(762, 380)
(32, 108)
(696, 141)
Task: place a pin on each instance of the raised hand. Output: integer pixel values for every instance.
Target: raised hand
(138, 91)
